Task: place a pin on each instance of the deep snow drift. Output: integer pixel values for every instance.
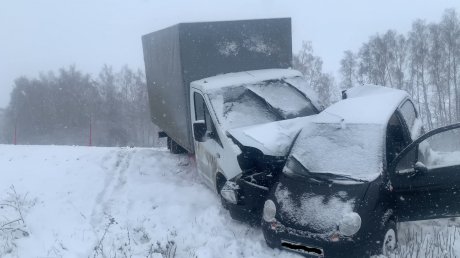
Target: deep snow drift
(129, 202)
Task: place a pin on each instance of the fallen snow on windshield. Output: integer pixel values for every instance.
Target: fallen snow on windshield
(353, 150)
(315, 211)
(284, 99)
(302, 85)
(237, 107)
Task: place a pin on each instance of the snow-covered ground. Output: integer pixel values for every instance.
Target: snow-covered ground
(60, 201)
(114, 202)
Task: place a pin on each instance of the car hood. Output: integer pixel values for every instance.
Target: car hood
(273, 138)
(315, 206)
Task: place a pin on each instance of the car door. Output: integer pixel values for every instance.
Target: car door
(425, 176)
(209, 147)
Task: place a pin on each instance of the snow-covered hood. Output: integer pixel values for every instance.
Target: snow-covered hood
(315, 207)
(273, 138)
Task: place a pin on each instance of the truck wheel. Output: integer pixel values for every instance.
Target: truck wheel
(175, 148)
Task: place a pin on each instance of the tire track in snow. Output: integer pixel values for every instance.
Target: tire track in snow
(114, 181)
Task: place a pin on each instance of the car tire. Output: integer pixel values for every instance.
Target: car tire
(387, 241)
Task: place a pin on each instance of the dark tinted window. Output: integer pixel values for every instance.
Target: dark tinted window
(408, 113)
(199, 106)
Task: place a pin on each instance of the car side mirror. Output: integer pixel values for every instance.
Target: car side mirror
(199, 130)
(420, 168)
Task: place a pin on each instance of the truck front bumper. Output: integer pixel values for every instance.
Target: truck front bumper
(248, 203)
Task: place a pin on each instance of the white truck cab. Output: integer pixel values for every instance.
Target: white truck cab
(239, 101)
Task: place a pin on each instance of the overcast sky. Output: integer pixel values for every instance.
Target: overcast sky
(41, 35)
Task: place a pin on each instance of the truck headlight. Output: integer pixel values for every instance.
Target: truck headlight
(350, 224)
(229, 195)
(269, 211)
(229, 192)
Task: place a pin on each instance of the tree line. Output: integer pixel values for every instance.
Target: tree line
(425, 62)
(60, 108)
(73, 108)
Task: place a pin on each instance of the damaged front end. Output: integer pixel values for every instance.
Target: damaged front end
(245, 194)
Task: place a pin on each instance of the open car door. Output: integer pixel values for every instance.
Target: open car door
(425, 176)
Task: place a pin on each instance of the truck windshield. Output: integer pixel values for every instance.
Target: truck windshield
(259, 103)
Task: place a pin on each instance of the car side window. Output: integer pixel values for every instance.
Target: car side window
(202, 113)
(396, 140)
(441, 150)
(408, 113)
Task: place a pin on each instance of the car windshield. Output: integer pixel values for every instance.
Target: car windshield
(259, 103)
(352, 151)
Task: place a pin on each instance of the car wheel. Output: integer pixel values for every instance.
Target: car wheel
(386, 242)
(390, 239)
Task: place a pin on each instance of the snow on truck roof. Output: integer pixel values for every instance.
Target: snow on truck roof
(246, 77)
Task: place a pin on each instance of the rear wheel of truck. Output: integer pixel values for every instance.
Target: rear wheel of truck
(174, 148)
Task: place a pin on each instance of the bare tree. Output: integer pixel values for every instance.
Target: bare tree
(348, 70)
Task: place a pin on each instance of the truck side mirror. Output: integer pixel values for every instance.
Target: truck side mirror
(199, 130)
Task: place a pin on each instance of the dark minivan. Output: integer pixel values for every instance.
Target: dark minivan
(355, 171)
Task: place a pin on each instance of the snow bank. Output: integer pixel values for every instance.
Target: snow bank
(96, 202)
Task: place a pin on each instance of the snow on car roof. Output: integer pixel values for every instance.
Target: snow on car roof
(367, 104)
(246, 77)
(348, 138)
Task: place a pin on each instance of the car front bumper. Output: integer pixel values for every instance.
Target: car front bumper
(312, 245)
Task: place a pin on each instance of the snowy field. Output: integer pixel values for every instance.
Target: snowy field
(129, 202)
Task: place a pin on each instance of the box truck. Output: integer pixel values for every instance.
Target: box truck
(225, 93)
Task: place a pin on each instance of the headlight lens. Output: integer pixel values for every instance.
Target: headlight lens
(269, 211)
(230, 192)
(350, 224)
(229, 195)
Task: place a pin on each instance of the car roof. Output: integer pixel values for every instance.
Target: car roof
(366, 104)
(240, 78)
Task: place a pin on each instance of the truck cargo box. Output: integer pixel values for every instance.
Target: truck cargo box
(178, 55)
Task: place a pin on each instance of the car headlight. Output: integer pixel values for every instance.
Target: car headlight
(350, 224)
(269, 211)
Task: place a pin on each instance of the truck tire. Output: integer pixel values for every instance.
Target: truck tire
(175, 148)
